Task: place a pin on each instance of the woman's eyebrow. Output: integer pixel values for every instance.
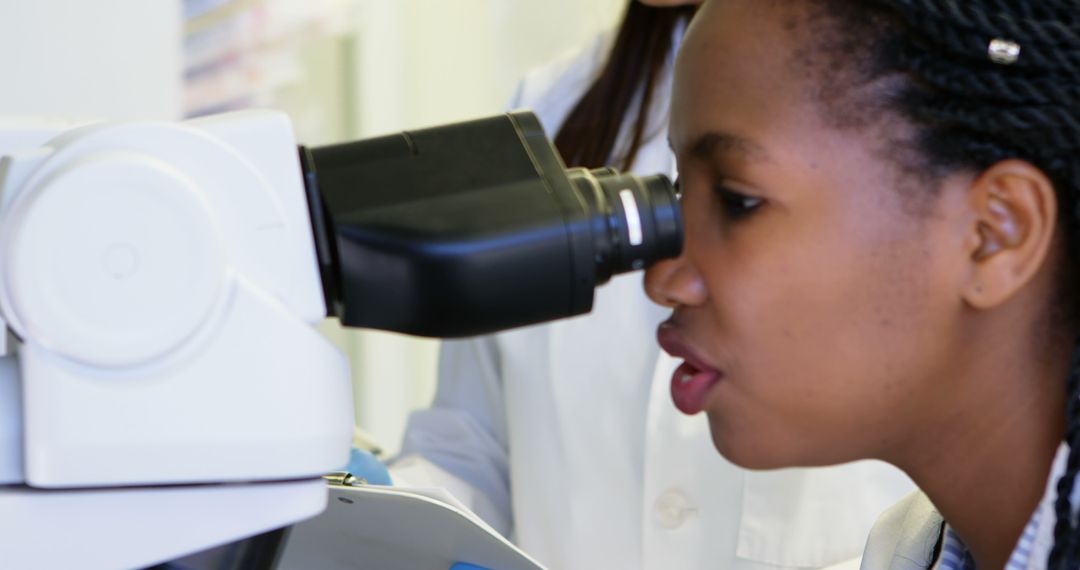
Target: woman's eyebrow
(708, 144)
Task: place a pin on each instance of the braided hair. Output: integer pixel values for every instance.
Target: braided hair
(969, 110)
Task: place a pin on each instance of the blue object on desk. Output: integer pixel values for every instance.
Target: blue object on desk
(463, 566)
(364, 465)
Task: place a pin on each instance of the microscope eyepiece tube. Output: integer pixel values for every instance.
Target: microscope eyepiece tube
(476, 227)
(636, 220)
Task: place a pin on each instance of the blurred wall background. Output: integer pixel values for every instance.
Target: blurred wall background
(76, 59)
(342, 69)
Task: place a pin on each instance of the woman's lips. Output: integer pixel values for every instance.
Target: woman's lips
(692, 381)
(690, 387)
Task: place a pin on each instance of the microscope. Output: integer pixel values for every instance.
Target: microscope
(162, 388)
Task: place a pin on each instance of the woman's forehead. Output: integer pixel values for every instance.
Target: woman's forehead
(736, 71)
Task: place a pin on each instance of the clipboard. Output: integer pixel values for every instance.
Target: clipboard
(370, 527)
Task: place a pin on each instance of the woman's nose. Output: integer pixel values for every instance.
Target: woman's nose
(674, 282)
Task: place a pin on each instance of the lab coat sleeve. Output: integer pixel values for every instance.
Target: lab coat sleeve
(460, 442)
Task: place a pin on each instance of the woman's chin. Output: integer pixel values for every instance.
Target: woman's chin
(758, 451)
(751, 453)
(741, 453)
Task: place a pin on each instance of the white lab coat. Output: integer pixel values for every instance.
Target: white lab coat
(564, 435)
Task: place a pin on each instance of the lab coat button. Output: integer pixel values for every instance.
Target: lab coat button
(671, 509)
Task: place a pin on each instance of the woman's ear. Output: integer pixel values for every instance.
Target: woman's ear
(1014, 218)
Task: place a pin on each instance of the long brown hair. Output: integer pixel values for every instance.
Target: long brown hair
(644, 41)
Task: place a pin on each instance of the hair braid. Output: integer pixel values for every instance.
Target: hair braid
(1026, 126)
(1057, 10)
(997, 85)
(970, 16)
(1065, 551)
(972, 45)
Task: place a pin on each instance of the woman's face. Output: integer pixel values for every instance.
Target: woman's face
(810, 303)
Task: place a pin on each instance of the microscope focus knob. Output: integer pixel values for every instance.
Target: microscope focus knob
(112, 260)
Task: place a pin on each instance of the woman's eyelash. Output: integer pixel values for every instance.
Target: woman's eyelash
(736, 206)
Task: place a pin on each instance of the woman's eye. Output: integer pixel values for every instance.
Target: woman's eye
(736, 206)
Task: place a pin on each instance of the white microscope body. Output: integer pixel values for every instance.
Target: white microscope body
(162, 388)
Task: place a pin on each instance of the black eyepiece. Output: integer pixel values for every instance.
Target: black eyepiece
(476, 227)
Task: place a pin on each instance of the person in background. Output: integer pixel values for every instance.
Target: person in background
(912, 170)
(563, 436)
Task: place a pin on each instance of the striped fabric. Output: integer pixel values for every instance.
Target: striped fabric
(955, 556)
(1021, 557)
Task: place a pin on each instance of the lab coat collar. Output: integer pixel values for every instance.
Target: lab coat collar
(905, 536)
